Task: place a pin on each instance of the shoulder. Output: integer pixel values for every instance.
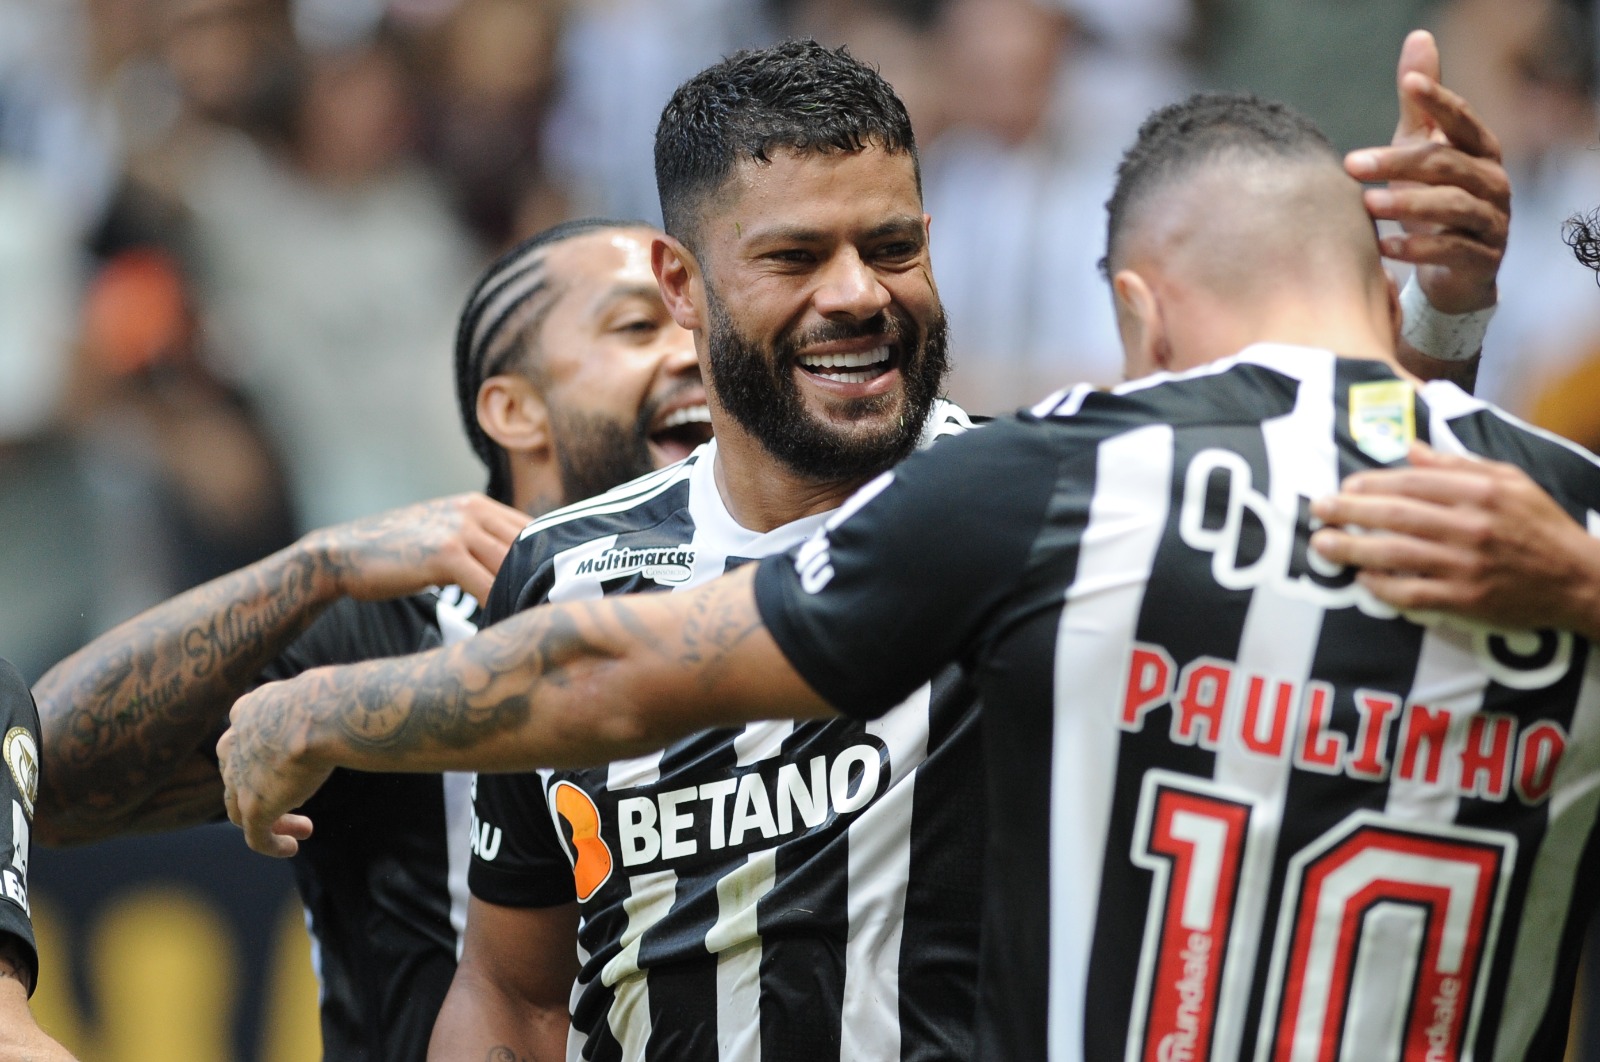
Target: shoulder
(620, 509)
(1567, 470)
(19, 736)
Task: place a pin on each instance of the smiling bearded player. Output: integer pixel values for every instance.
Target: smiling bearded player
(737, 888)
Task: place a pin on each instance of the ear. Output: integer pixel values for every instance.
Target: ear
(678, 276)
(1144, 334)
(513, 413)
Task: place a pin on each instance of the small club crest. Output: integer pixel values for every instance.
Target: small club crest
(1383, 419)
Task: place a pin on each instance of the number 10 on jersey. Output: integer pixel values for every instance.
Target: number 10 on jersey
(1384, 932)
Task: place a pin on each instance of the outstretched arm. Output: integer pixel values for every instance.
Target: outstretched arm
(128, 720)
(558, 686)
(1446, 187)
(1471, 537)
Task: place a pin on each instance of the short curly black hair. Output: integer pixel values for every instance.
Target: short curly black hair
(1176, 139)
(797, 95)
(1582, 234)
(486, 346)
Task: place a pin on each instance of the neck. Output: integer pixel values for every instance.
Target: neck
(1348, 329)
(537, 490)
(762, 493)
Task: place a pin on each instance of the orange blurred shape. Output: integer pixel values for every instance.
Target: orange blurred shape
(134, 313)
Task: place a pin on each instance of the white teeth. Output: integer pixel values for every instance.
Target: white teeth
(852, 377)
(686, 415)
(846, 361)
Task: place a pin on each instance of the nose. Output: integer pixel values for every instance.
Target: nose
(849, 287)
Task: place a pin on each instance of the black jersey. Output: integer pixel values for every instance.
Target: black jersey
(19, 787)
(383, 878)
(769, 893)
(1244, 811)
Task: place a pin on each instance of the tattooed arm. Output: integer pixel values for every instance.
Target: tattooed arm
(129, 719)
(558, 686)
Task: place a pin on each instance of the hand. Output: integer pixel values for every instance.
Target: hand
(461, 539)
(1470, 537)
(1446, 186)
(265, 771)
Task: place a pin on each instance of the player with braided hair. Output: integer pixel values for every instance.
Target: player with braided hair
(571, 377)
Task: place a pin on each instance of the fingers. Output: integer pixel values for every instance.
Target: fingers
(1424, 456)
(1448, 206)
(488, 534)
(1378, 499)
(1385, 552)
(1453, 115)
(1419, 54)
(279, 839)
(1433, 164)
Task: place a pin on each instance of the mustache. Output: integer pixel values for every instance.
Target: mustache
(889, 326)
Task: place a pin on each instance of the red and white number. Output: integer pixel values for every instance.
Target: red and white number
(1384, 935)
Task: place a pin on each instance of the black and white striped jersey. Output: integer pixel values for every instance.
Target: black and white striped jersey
(19, 788)
(777, 893)
(384, 877)
(1238, 809)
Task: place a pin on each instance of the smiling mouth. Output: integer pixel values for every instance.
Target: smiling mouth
(682, 429)
(849, 368)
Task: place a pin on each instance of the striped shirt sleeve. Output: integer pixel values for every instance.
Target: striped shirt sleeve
(897, 583)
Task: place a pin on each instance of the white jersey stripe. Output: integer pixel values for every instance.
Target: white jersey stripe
(1126, 519)
(629, 1016)
(737, 945)
(1574, 803)
(879, 874)
(1279, 639)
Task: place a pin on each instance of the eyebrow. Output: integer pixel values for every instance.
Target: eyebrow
(899, 224)
(621, 293)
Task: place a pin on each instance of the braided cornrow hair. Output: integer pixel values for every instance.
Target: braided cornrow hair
(486, 347)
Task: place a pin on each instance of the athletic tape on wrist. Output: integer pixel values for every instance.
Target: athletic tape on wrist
(1443, 336)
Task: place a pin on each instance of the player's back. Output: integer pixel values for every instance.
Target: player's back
(1327, 831)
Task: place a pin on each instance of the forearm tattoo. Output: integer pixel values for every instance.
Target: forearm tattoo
(119, 717)
(552, 660)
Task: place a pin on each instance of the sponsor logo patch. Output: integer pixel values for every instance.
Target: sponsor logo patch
(672, 565)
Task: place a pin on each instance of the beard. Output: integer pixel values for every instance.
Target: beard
(595, 452)
(757, 388)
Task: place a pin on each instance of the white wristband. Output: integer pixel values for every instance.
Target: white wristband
(1442, 336)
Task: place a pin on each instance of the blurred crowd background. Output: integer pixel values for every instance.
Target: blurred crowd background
(235, 234)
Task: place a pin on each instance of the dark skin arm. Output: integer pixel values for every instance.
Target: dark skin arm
(559, 686)
(512, 987)
(1446, 187)
(127, 721)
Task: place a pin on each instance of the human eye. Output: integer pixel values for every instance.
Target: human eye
(899, 250)
(791, 256)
